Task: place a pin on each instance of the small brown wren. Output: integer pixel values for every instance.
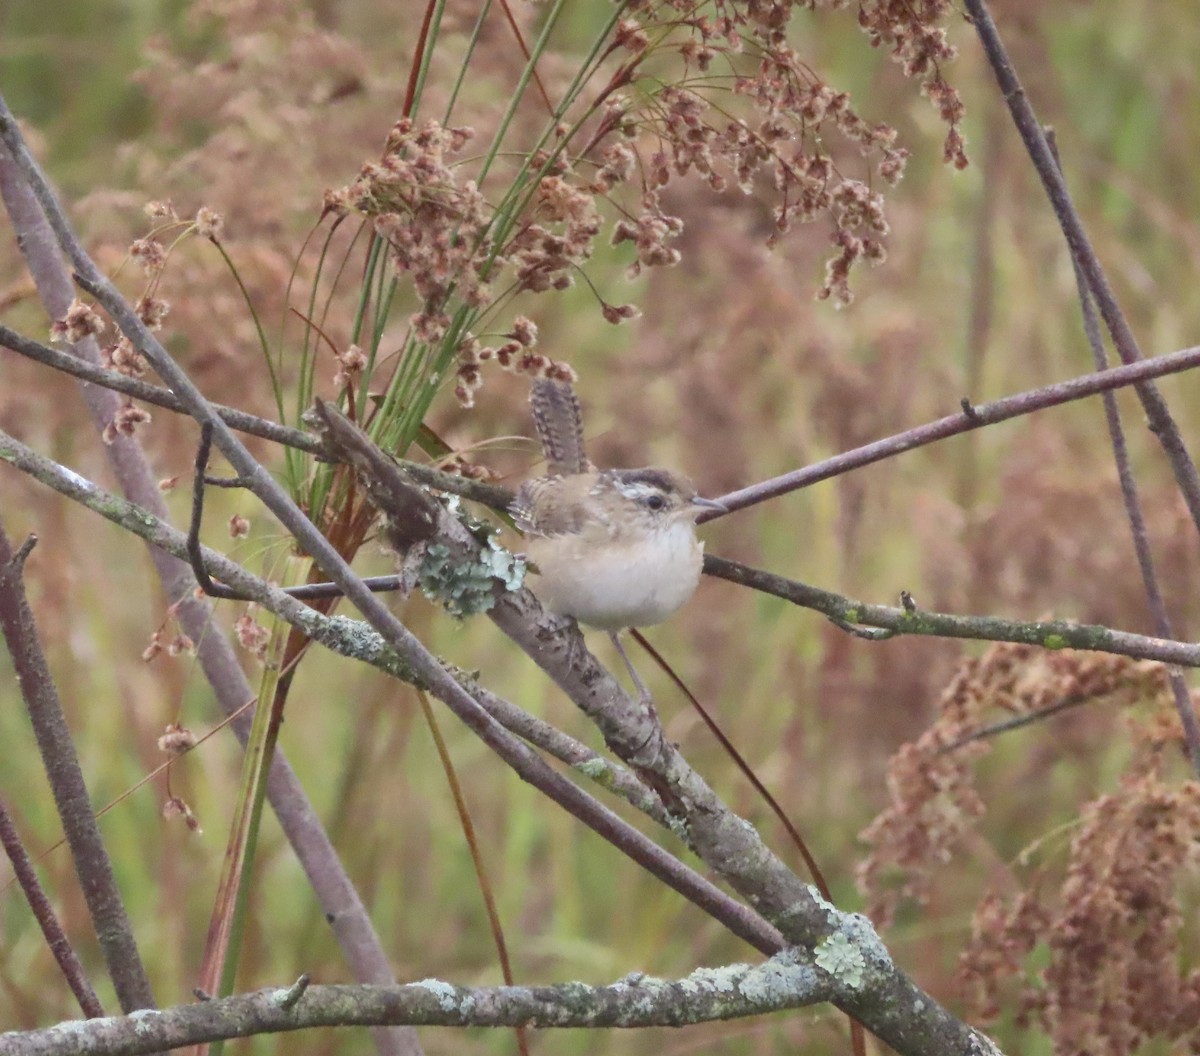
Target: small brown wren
(614, 548)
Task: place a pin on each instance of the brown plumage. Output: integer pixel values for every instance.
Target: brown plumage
(615, 548)
(558, 419)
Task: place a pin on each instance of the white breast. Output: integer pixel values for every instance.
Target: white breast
(612, 584)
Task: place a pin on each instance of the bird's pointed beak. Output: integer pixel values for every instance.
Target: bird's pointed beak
(710, 504)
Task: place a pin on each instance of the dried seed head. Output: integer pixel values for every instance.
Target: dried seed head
(180, 644)
(152, 311)
(524, 332)
(80, 321)
(250, 635)
(176, 740)
(161, 211)
(351, 362)
(154, 648)
(177, 808)
(150, 254)
(209, 223)
(126, 422)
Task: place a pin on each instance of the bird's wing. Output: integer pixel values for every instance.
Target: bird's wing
(551, 506)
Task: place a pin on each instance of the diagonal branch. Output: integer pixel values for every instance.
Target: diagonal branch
(353, 639)
(973, 416)
(71, 798)
(242, 421)
(31, 205)
(1161, 423)
(1133, 507)
(60, 946)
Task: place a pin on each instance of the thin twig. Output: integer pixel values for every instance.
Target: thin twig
(250, 424)
(1133, 507)
(155, 395)
(1049, 634)
(858, 1044)
(980, 414)
(195, 558)
(60, 946)
(1161, 423)
(477, 860)
(1015, 723)
(71, 798)
(30, 204)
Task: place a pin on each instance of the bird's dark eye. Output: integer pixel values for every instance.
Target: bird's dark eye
(656, 502)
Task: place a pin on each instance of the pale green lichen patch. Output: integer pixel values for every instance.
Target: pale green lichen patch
(842, 959)
(596, 768)
(778, 981)
(709, 980)
(466, 585)
(445, 994)
(504, 564)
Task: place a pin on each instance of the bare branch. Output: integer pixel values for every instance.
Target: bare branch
(71, 798)
(60, 946)
(152, 394)
(1133, 507)
(1017, 721)
(242, 421)
(974, 417)
(1161, 423)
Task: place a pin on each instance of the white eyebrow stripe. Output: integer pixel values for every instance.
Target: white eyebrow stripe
(637, 490)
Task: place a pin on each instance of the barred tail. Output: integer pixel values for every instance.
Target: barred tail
(558, 419)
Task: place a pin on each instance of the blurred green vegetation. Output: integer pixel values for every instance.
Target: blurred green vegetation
(734, 374)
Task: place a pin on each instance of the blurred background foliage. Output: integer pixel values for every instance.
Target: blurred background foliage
(735, 373)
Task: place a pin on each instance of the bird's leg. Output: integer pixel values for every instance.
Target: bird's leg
(643, 692)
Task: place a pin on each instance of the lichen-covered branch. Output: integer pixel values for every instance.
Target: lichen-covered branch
(358, 641)
(787, 980)
(1049, 634)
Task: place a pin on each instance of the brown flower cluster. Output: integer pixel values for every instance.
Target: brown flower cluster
(441, 233)
(81, 320)
(251, 635)
(931, 784)
(434, 222)
(1090, 951)
(126, 422)
(1117, 976)
(515, 355)
(781, 136)
(765, 124)
(910, 30)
